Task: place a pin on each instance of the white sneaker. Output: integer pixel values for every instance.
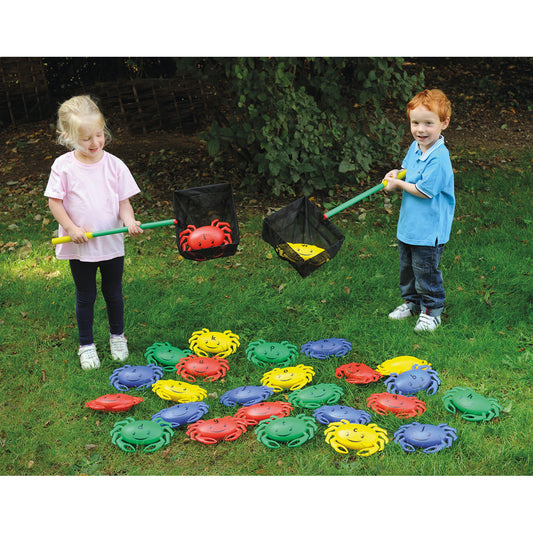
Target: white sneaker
(427, 322)
(401, 312)
(119, 348)
(88, 357)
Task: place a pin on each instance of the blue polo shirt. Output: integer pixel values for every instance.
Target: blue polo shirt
(427, 221)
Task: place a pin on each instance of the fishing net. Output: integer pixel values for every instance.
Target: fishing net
(302, 236)
(206, 222)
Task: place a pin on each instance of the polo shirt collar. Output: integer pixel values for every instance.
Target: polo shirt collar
(427, 153)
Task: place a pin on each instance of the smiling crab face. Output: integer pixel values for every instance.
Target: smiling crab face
(316, 395)
(366, 439)
(292, 430)
(262, 353)
(293, 377)
(178, 391)
(206, 343)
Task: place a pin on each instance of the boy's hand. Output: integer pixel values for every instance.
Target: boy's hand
(391, 180)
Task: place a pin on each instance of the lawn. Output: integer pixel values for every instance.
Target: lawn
(485, 341)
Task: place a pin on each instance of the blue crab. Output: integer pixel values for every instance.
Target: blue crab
(262, 353)
(420, 377)
(165, 355)
(335, 413)
(139, 377)
(325, 348)
(181, 414)
(290, 430)
(429, 437)
(474, 406)
(152, 435)
(316, 395)
(246, 395)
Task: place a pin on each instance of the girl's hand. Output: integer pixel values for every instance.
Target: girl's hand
(78, 235)
(134, 228)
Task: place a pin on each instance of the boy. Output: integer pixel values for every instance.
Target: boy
(426, 213)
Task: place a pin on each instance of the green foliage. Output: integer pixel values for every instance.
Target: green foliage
(308, 124)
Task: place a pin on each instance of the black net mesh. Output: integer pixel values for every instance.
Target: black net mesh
(302, 236)
(198, 207)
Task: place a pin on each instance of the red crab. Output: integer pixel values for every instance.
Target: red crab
(113, 402)
(358, 373)
(384, 403)
(210, 368)
(216, 234)
(216, 429)
(253, 414)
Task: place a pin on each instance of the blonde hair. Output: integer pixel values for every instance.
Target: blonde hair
(76, 112)
(434, 100)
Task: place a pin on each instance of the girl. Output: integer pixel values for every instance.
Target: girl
(89, 190)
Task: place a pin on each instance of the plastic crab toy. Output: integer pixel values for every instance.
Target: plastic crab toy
(304, 251)
(291, 377)
(113, 402)
(178, 391)
(165, 355)
(138, 377)
(210, 368)
(216, 234)
(325, 348)
(335, 413)
(412, 381)
(182, 413)
(384, 403)
(253, 414)
(206, 343)
(316, 395)
(152, 435)
(246, 395)
(474, 406)
(290, 430)
(357, 373)
(262, 353)
(217, 429)
(399, 364)
(429, 437)
(367, 440)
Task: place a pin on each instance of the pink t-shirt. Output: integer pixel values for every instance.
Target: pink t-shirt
(91, 196)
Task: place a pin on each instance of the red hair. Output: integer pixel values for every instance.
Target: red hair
(434, 100)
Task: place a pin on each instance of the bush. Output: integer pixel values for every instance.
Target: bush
(305, 125)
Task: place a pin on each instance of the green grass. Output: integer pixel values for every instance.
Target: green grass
(485, 341)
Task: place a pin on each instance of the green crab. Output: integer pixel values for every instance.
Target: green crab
(316, 395)
(290, 430)
(152, 434)
(474, 406)
(262, 353)
(165, 355)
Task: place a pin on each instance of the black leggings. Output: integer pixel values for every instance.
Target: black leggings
(84, 275)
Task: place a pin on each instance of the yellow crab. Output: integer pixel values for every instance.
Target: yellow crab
(205, 343)
(178, 391)
(367, 439)
(303, 251)
(399, 364)
(290, 377)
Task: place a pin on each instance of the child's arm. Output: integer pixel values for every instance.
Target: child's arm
(127, 216)
(395, 184)
(57, 209)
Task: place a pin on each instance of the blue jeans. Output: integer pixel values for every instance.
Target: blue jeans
(84, 274)
(420, 279)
